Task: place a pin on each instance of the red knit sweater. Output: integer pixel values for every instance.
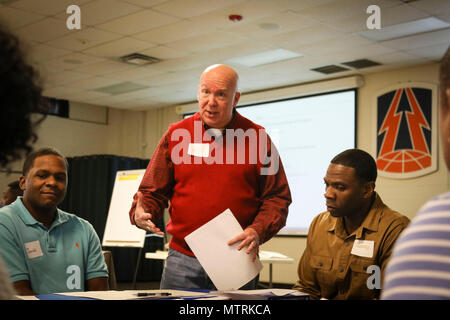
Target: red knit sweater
(199, 188)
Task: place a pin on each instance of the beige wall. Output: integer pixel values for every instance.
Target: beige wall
(136, 134)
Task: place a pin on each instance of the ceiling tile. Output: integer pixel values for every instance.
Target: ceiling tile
(65, 77)
(14, 18)
(191, 8)
(420, 40)
(105, 67)
(42, 53)
(400, 14)
(46, 7)
(294, 4)
(164, 53)
(432, 6)
(59, 91)
(238, 50)
(206, 42)
(173, 32)
(342, 9)
(118, 48)
(85, 95)
(396, 14)
(338, 44)
(94, 83)
(137, 22)
(72, 61)
(43, 30)
(85, 38)
(304, 36)
(135, 73)
(146, 3)
(430, 52)
(395, 57)
(171, 78)
(101, 11)
(272, 25)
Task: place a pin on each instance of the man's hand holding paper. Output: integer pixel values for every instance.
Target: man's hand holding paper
(250, 239)
(228, 267)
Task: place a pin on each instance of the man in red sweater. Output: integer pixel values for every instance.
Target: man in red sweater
(203, 165)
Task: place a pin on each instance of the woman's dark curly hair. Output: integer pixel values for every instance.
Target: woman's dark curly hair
(20, 95)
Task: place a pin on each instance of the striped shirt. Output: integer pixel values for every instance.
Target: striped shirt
(419, 268)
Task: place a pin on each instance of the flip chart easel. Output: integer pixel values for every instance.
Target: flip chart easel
(119, 232)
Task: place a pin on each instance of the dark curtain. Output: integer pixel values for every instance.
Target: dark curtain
(91, 181)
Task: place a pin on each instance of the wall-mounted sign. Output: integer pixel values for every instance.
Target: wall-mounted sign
(406, 136)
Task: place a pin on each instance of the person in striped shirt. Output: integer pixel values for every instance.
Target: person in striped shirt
(419, 268)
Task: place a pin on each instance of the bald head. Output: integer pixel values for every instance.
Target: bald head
(218, 95)
(223, 71)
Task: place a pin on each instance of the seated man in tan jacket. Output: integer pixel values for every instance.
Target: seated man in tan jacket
(348, 246)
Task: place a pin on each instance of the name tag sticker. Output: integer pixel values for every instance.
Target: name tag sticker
(363, 248)
(199, 149)
(33, 249)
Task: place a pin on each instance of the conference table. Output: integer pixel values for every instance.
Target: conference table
(269, 257)
(170, 294)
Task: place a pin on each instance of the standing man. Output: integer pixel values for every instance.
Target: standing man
(214, 169)
(354, 238)
(420, 265)
(45, 249)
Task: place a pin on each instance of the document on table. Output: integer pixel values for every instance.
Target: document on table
(228, 268)
(263, 294)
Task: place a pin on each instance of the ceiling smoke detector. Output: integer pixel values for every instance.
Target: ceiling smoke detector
(235, 17)
(139, 59)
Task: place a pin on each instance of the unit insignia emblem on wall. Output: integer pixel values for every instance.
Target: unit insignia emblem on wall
(406, 136)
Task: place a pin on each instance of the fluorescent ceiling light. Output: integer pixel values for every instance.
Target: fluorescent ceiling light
(120, 88)
(265, 57)
(405, 29)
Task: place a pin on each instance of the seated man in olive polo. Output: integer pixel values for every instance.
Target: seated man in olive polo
(354, 238)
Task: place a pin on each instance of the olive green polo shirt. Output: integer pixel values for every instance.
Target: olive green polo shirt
(335, 266)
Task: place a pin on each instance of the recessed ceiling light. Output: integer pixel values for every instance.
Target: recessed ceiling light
(120, 88)
(265, 57)
(405, 29)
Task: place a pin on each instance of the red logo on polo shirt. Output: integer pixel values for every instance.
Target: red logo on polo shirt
(76, 243)
(406, 141)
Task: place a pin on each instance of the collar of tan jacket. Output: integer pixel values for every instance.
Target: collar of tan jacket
(371, 222)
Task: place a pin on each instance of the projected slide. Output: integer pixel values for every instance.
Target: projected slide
(308, 133)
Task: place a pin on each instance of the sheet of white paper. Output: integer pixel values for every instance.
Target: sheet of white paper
(228, 268)
(260, 294)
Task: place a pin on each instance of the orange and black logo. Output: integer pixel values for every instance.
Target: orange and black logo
(405, 120)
